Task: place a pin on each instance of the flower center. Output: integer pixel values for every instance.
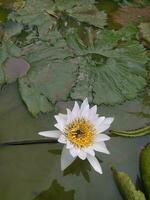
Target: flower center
(80, 132)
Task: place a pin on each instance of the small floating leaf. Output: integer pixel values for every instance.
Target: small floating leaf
(126, 186)
(133, 133)
(145, 169)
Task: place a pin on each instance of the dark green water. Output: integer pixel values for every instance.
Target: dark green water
(27, 172)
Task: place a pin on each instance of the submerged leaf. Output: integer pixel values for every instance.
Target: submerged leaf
(126, 187)
(145, 169)
(15, 68)
(7, 50)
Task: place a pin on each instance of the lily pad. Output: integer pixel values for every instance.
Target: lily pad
(113, 66)
(34, 13)
(89, 14)
(51, 76)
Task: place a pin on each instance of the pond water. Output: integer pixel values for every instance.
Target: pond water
(29, 172)
(32, 172)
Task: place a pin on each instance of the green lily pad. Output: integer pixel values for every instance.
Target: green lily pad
(51, 76)
(34, 13)
(113, 65)
(89, 14)
(144, 169)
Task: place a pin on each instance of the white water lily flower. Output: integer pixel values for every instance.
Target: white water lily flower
(80, 130)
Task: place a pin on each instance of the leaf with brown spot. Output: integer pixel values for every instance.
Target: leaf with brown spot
(127, 15)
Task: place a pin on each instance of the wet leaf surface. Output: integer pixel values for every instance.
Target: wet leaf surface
(126, 186)
(144, 169)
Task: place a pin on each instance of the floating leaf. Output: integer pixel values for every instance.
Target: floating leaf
(35, 101)
(34, 13)
(114, 62)
(56, 191)
(145, 170)
(126, 186)
(145, 32)
(133, 133)
(89, 14)
(51, 76)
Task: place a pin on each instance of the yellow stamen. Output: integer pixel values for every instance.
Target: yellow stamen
(80, 132)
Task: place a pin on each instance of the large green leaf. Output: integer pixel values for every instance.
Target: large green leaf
(51, 76)
(34, 13)
(44, 14)
(126, 186)
(144, 169)
(114, 66)
(89, 14)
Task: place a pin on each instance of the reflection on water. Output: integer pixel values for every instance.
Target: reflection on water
(56, 192)
(79, 167)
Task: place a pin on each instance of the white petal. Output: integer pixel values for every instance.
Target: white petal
(84, 104)
(104, 125)
(51, 134)
(101, 137)
(76, 110)
(73, 152)
(95, 164)
(89, 150)
(82, 155)
(69, 145)
(93, 116)
(98, 122)
(101, 147)
(62, 139)
(59, 127)
(66, 158)
(69, 116)
(61, 120)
